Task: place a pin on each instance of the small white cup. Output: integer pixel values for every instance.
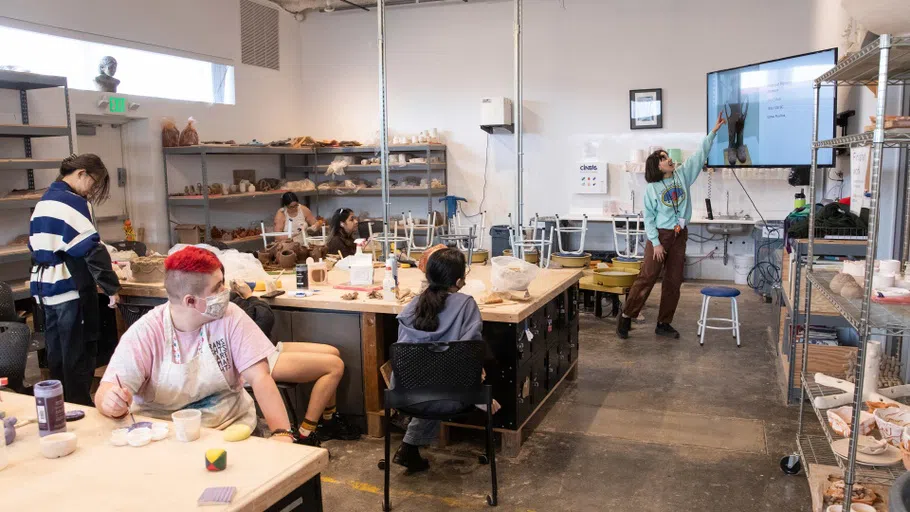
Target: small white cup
(187, 424)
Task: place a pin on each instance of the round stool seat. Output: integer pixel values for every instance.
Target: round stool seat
(720, 291)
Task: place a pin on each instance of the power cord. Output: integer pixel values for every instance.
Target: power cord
(483, 196)
(768, 271)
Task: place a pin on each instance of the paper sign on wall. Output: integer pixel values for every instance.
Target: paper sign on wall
(591, 178)
(860, 160)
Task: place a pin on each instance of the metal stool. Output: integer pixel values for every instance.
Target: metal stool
(719, 291)
(631, 228)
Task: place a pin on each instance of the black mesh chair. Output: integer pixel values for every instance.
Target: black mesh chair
(7, 304)
(426, 372)
(14, 341)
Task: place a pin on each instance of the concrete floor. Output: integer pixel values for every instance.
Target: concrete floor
(650, 425)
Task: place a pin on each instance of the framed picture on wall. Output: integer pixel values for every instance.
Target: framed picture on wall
(645, 109)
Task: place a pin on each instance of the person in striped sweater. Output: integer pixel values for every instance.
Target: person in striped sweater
(70, 264)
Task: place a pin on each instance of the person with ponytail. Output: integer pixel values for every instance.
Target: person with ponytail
(343, 230)
(440, 313)
(70, 264)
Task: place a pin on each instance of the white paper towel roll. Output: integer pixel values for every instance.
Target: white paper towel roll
(637, 155)
(889, 266)
(880, 281)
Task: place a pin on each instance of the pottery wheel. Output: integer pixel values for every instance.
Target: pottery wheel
(891, 455)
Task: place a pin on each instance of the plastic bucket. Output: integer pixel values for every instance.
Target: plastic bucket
(742, 265)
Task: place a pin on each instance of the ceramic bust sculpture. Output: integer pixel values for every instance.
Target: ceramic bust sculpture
(105, 80)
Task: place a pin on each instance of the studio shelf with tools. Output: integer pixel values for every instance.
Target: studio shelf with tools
(325, 167)
(884, 63)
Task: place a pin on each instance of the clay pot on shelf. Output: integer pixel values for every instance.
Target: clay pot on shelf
(287, 259)
(264, 257)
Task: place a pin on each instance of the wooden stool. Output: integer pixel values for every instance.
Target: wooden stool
(588, 287)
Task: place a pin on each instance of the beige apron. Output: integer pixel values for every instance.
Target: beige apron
(198, 383)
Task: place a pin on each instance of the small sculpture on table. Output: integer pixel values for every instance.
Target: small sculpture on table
(105, 81)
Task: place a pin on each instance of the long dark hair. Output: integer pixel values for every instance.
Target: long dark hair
(289, 197)
(444, 268)
(95, 168)
(341, 216)
(653, 174)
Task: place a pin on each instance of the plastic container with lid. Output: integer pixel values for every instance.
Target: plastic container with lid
(49, 406)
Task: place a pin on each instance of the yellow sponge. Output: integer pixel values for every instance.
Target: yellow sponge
(237, 432)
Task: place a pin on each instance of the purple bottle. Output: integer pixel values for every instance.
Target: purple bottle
(49, 404)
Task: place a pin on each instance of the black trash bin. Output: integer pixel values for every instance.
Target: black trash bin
(899, 495)
(500, 239)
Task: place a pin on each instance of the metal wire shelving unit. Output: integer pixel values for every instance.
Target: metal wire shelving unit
(885, 62)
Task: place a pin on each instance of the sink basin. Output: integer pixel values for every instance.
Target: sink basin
(731, 229)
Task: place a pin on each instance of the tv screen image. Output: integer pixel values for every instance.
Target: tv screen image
(769, 111)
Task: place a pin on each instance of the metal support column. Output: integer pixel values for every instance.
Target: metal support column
(27, 141)
(69, 123)
(205, 198)
(813, 182)
(878, 144)
(519, 127)
(383, 127)
(167, 205)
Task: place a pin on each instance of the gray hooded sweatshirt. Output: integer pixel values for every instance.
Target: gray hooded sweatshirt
(459, 320)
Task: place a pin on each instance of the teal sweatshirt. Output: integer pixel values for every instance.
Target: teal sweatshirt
(659, 197)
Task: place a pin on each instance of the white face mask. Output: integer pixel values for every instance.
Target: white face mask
(216, 305)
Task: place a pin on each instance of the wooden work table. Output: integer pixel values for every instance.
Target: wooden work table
(363, 329)
(164, 475)
(544, 288)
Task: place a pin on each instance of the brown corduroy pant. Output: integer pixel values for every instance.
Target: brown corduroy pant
(674, 262)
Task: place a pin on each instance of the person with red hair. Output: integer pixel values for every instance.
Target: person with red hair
(194, 352)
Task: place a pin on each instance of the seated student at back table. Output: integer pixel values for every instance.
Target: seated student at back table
(300, 363)
(440, 313)
(343, 233)
(194, 352)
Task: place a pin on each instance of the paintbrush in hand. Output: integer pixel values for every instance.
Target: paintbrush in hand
(131, 412)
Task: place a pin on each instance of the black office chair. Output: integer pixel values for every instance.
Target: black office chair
(426, 372)
(14, 341)
(7, 304)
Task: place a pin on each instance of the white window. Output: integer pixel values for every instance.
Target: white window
(142, 73)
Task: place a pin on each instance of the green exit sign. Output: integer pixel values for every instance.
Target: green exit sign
(117, 104)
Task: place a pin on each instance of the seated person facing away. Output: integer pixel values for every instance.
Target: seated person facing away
(194, 352)
(440, 313)
(301, 363)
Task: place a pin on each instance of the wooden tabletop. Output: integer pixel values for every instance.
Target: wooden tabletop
(547, 285)
(164, 475)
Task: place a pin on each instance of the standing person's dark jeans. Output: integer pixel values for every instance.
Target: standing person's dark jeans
(71, 351)
(674, 261)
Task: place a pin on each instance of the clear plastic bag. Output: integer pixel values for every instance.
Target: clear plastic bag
(189, 136)
(170, 135)
(237, 265)
(512, 274)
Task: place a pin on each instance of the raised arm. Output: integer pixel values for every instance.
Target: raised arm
(691, 169)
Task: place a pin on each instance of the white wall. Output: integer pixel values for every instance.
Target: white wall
(580, 63)
(267, 101)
